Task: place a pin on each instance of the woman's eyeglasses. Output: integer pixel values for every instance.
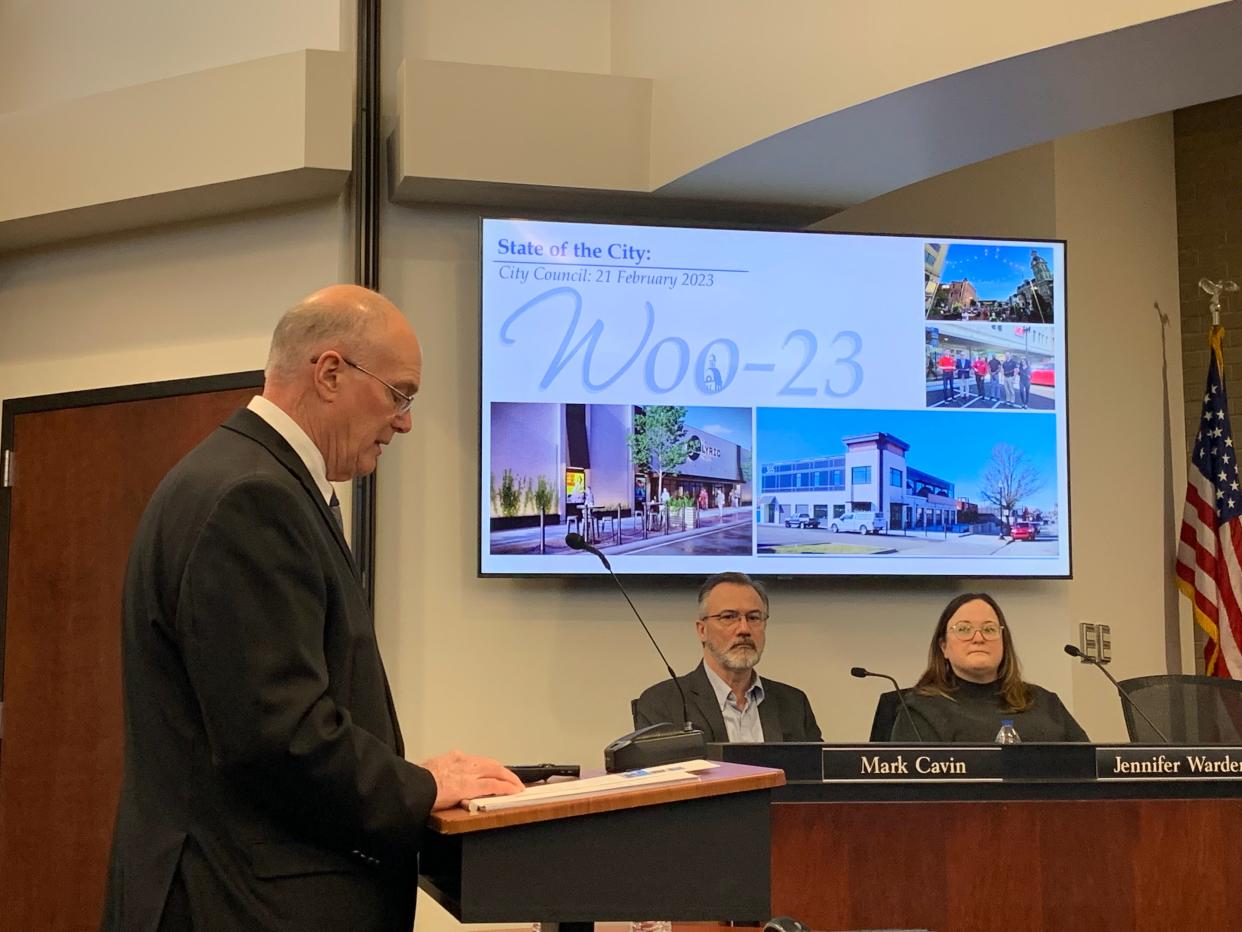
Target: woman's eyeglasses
(964, 630)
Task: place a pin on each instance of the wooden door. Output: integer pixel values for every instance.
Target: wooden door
(85, 466)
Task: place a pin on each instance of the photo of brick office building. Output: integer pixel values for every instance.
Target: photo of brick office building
(872, 476)
(580, 454)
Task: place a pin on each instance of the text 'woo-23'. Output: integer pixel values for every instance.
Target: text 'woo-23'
(666, 362)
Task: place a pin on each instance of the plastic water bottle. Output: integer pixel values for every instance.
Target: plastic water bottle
(1007, 734)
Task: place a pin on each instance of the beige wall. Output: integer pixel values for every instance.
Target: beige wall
(173, 302)
(1115, 205)
(1013, 195)
(544, 670)
(728, 73)
(562, 659)
(806, 58)
(57, 50)
(559, 35)
(1109, 194)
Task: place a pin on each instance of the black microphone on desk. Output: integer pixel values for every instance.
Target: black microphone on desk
(1075, 652)
(662, 743)
(861, 672)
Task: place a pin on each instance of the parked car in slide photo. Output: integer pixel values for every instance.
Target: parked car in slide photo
(801, 520)
(1025, 530)
(1044, 375)
(864, 522)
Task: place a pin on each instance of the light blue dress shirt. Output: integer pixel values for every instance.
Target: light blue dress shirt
(741, 724)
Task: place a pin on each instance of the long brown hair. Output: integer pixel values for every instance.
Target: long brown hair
(940, 680)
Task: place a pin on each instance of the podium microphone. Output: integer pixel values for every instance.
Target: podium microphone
(861, 672)
(663, 743)
(1075, 652)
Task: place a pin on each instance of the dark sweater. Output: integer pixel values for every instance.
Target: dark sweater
(974, 714)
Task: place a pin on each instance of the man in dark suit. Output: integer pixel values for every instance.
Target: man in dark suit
(265, 784)
(726, 698)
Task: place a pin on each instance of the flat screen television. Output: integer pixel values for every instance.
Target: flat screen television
(691, 400)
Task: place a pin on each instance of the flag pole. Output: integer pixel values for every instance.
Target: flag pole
(1215, 333)
(1215, 289)
(1209, 524)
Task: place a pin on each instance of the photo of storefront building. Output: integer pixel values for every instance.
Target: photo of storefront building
(572, 465)
(714, 471)
(871, 477)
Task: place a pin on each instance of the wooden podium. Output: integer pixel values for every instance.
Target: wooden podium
(685, 851)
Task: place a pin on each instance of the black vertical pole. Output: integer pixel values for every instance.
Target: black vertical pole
(366, 202)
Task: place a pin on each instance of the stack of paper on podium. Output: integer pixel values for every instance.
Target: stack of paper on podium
(607, 783)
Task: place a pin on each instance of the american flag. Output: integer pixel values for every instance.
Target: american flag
(1209, 554)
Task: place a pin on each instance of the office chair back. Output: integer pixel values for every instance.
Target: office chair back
(887, 708)
(1189, 709)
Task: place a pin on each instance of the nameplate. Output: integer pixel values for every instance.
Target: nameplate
(889, 763)
(1171, 763)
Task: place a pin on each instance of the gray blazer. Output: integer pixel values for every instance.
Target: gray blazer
(785, 712)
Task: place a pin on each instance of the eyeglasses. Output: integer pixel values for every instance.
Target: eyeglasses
(399, 398)
(965, 631)
(731, 617)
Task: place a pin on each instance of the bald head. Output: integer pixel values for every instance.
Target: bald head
(342, 363)
(340, 317)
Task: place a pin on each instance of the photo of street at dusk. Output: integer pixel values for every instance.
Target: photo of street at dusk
(990, 283)
(649, 480)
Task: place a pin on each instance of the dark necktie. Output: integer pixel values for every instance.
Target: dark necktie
(334, 506)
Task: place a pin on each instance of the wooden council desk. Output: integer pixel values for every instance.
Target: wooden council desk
(1047, 844)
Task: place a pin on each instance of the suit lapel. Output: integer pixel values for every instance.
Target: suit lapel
(770, 717)
(249, 424)
(703, 697)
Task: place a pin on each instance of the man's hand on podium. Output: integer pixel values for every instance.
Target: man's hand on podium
(464, 776)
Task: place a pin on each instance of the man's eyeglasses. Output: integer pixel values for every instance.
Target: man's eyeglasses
(399, 398)
(730, 617)
(964, 630)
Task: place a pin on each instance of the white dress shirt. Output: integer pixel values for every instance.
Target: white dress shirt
(297, 438)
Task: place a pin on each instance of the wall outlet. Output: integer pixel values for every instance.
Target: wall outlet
(1088, 640)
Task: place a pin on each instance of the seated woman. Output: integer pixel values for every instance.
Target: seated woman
(973, 681)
